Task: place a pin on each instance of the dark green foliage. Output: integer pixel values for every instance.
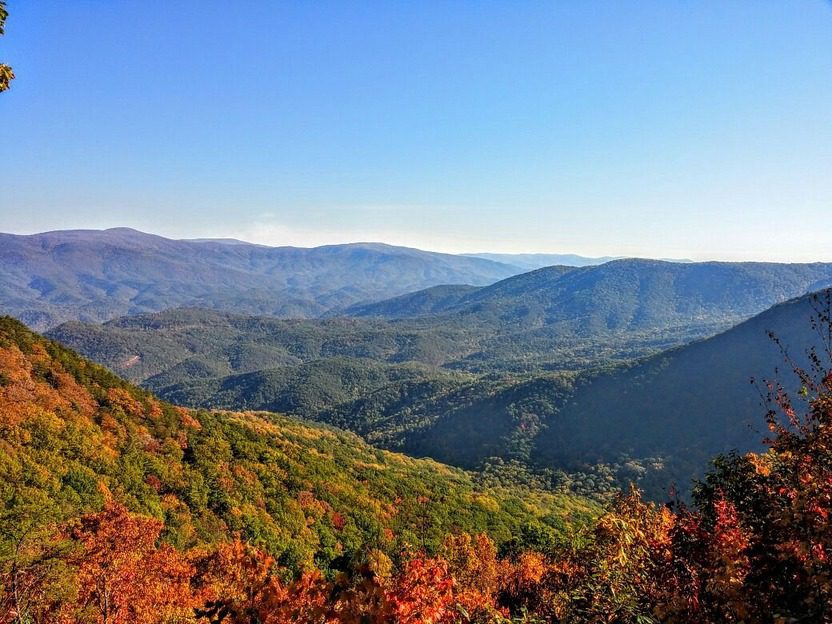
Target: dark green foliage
(420, 303)
(463, 423)
(681, 407)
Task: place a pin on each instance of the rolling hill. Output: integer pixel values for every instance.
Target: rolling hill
(622, 295)
(96, 275)
(208, 343)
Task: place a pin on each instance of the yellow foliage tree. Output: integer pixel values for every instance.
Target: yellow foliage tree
(6, 73)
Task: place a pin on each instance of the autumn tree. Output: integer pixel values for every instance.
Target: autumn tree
(237, 584)
(6, 73)
(476, 570)
(34, 576)
(123, 575)
(766, 515)
(422, 593)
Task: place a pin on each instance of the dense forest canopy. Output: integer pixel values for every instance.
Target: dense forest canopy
(657, 421)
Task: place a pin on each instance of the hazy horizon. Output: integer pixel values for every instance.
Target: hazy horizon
(652, 129)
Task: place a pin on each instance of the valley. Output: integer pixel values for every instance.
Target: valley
(535, 370)
(415, 312)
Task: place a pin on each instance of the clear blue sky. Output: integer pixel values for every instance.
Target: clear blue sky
(655, 128)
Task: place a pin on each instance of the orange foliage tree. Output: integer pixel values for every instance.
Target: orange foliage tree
(123, 575)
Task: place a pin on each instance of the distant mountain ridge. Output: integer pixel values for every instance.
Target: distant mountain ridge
(96, 275)
(627, 295)
(532, 261)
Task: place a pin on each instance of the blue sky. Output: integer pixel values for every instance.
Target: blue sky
(654, 128)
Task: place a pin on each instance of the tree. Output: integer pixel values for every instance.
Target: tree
(422, 593)
(766, 516)
(6, 73)
(123, 576)
(238, 584)
(34, 577)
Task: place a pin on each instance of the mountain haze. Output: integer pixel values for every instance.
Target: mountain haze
(530, 262)
(97, 275)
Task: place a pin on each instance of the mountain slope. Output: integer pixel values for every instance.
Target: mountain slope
(658, 421)
(694, 399)
(74, 434)
(571, 318)
(97, 275)
(631, 295)
(420, 303)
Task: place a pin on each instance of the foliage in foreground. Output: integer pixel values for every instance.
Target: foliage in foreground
(75, 439)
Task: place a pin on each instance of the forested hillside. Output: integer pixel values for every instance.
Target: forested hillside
(627, 295)
(657, 421)
(395, 383)
(76, 436)
(106, 489)
(683, 406)
(212, 494)
(558, 318)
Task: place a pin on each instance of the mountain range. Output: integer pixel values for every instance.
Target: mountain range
(546, 368)
(96, 275)
(552, 319)
(532, 261)
(572, 317)
(411, 384)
